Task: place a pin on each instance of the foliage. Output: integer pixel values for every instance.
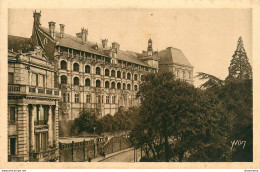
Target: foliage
(240, 67)
(178, 121)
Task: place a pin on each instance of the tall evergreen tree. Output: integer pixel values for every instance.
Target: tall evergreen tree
(240, 67)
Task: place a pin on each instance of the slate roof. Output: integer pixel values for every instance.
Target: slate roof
(19, 43)
(76, 43)
(173, 55)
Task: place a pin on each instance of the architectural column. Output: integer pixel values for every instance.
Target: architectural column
(22, 140)
(55, 122)
(32, 137)
(50, 132)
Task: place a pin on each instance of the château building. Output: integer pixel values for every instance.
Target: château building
(91, 75)
(32, 107)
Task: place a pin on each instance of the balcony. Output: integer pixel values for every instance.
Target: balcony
(32, 90)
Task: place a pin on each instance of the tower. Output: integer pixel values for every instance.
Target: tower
(150, 47)
(37, 18)
(84, 33)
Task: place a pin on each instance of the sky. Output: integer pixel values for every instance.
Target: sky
(207, 37)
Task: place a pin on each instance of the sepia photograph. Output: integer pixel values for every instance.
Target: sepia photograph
(134, 85)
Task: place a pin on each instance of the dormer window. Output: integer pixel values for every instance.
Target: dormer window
(45, 41)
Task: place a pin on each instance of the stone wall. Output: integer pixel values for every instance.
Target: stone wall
(86, 150)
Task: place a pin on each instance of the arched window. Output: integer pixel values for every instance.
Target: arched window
(123, 75)
(113, 85)
(142, 78)
(87, 82)
(63, 65)
(76, 67)
(135, 77)
(128, 86)
(118, 74)
(118, 85)
(136, 88)
(106, 72)
(128, 76)
(63, 79)
(123, 86)
(87, 69)
(98, 70)
(45, 41)
(113, 73)
(76, 81)
(98, 83)
(107, 84)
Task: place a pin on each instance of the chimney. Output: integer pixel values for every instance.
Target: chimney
(62, 30)
(37, 18)
(104, 43)
(52, 29)
(84, 34)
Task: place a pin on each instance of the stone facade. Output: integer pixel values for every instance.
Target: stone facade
(91, 75)
(32, 108)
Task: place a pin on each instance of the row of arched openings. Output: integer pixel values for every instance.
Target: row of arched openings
(98, 83)
(63, 65)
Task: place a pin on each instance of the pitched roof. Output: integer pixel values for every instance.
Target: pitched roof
(19, 43)
(76, 43)
(173, 55)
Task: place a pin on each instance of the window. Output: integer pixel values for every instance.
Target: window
(63, 65)
(68, 97)
(45, 41)
(128, 86)
(12, 146)
(142, 78)
(118, 74)
(63, 79)
(88, 98)
(44, 141)
(87, 69)
(113, 85)
(136, 88)
(123, 75)
(87, 82)
(177, 73)
(135, 77)
(184, 74)
(37, 142)
(106, 84)
(113, 73)
(113, 99)
(98, 99)
(128, 76)
(118, 85)
(76, 67)
(10, 78)
(123, 86)
(41, 80)
(34, 79)
(107, 72)
(98, 70)
(98, 83)
(76, 98)
(102, 99)
(107, 99)
(76, 81)
(190, 75)
(12, 114)
(64, 97)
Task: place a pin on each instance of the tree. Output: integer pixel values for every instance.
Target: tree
(240, 67)
(86, 122)
(175, 119)
(235, 96)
